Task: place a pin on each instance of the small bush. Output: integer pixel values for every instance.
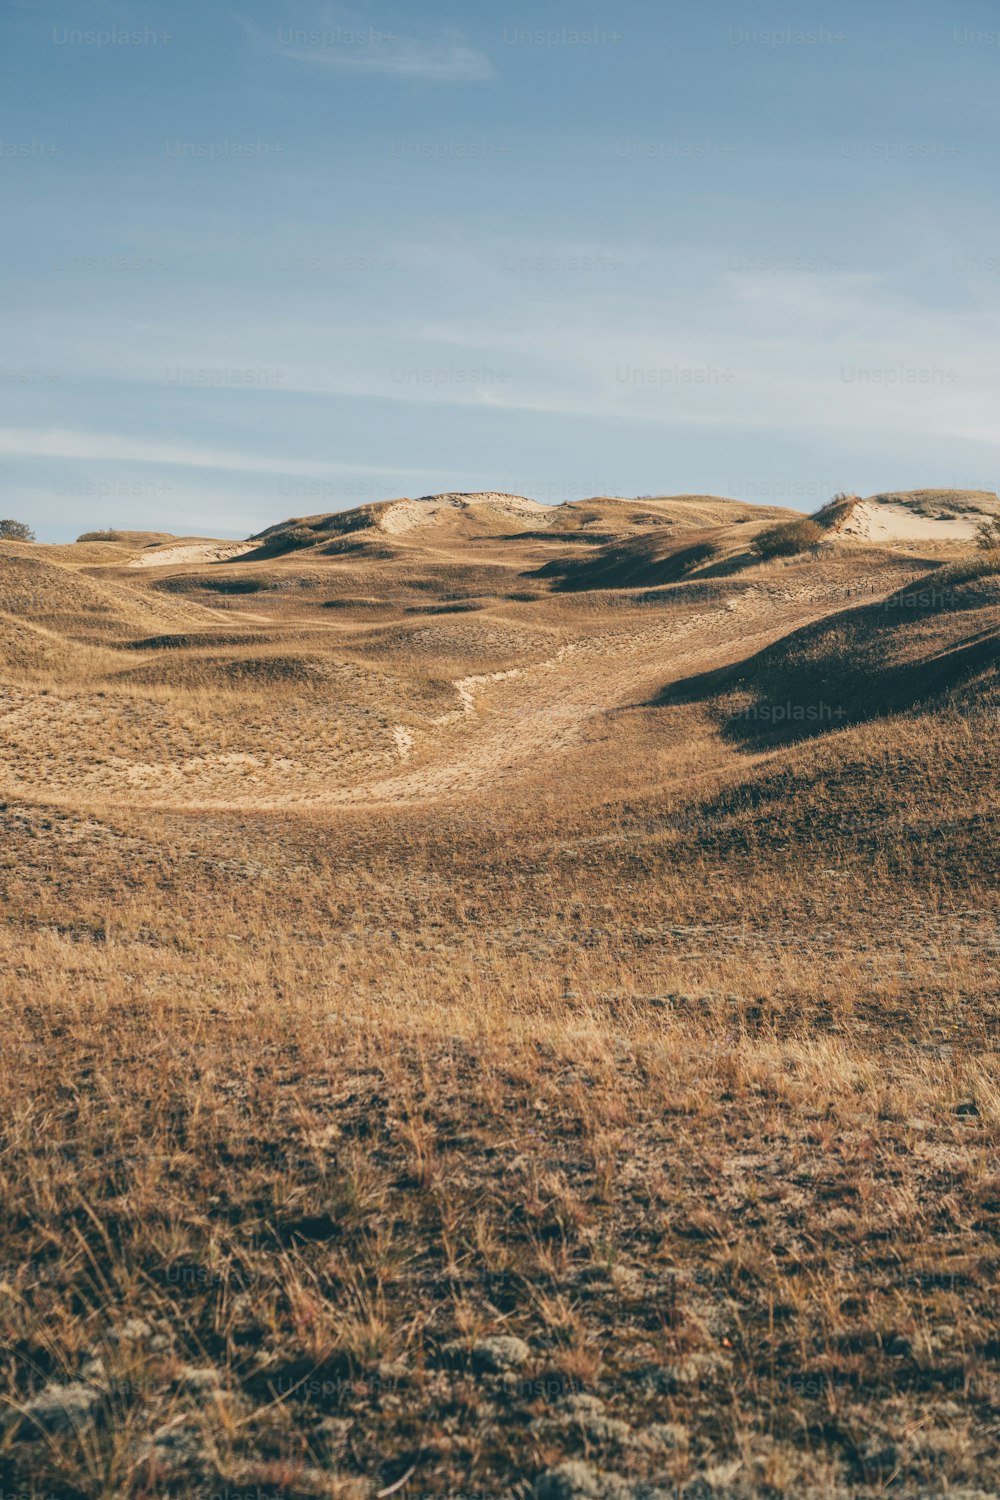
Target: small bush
(361, 519)
(988, 535)
(100, 536)
(788, 539)
(15, 531)
(291, 539)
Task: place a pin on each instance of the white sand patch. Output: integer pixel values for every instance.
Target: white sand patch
(514, 505)
(406, 515)
(889, 522)
(190, 552)
(404, 741)
(466, 687)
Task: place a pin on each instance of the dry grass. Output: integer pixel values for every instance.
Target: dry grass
(375, 986)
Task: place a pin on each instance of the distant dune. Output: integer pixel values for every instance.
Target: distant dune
(918, 516)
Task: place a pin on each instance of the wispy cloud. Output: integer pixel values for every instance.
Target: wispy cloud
(80, 443)
(345, 42)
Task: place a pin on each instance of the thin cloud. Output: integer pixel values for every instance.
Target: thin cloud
(69, 443)
(446, 60)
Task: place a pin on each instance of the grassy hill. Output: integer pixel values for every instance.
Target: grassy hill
(501, 1010)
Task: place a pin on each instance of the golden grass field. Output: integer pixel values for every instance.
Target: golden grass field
(501, 1003)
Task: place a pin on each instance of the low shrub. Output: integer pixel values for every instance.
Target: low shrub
(988, 535)
(788, 539)
(291, 539)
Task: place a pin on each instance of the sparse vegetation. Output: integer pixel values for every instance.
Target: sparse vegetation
(108, 535)
(291, 538)
(836, 511)
(940, 504)
(436, 1045)
(982, 564)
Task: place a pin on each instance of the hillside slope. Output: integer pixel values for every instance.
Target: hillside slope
(501, 1006)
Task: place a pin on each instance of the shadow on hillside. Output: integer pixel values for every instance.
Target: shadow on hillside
(639, 563)
(859, 664)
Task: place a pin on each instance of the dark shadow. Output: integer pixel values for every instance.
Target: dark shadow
(638, 563)
(192, 641)
(841, 670)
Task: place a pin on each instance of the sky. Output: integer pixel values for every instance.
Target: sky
(269, 258)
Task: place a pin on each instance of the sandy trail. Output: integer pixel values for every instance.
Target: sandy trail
(507, 720)
(498, 728)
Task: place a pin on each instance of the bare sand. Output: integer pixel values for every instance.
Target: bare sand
(889, 522)
(190, 552)
(406, 515)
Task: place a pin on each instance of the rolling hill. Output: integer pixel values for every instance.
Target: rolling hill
(501, 990)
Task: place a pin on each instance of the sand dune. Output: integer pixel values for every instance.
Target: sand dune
(888, 522)
(190, 553)
(518, 992)
(407, 515)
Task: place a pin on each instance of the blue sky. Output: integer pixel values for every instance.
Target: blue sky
(279, 258)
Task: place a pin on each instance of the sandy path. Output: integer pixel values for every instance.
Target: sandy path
(498, 727)
(507, 720)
